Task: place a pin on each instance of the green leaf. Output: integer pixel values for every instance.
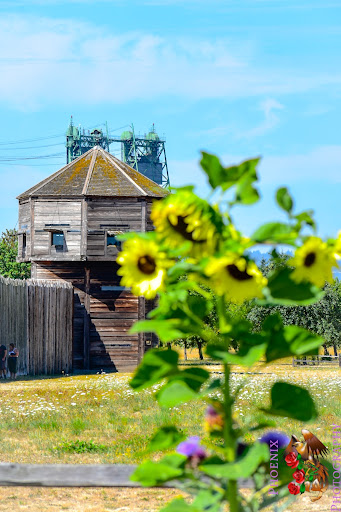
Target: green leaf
(291, 401)
(216, 173)
(193, 377)
(306, 217)
(151, 473)
(291, 340)
(242, 176)
(300, 466)
(246, 356)
(165, 438)
(302, 488)
(166, 330)
(243, 468)
(209, 500)
(284, 199)
(299, 456)
(155, 366)
(179, 505)
(281, 289)
(174, 393)
(275, 232)
(302, 341)
(245, 192)
(200, 306)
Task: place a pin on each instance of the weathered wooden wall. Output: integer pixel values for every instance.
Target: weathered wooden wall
(104, 311)
(24, 228)
(84, 222)
(37, 317)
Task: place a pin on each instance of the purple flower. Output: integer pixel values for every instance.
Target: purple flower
(211, 411)
(191, 448)
(283, 439)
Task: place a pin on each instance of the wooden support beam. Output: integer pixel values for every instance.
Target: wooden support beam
(31, 227)
(84, 229)
(87, 318)
(75, 475)
(67, 475)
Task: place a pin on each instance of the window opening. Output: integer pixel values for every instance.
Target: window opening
(58, 240)
(112, 240)
(24, 245)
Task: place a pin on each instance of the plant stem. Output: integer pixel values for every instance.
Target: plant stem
(230, 441)
(229, 436)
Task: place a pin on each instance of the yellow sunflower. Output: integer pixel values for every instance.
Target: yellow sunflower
(337, 246)
(184, 217)
(142, 267)
(235, 278)
(313, 262)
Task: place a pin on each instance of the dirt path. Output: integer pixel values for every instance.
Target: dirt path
(22, 499)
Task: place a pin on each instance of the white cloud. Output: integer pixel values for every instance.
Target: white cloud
(321, 164)
(271, 119)
(44, 61)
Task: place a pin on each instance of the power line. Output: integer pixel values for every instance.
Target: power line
(23, 141)
(15, 158)
(35, 147)
(29, 165)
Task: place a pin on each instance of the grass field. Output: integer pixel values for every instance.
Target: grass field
(99, 419)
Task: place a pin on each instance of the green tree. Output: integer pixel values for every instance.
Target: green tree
(9, 267)
(322, 317)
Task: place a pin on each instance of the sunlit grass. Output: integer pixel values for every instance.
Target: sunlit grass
(36, 415)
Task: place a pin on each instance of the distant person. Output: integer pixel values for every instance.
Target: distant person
(13, 360)
(3, 354)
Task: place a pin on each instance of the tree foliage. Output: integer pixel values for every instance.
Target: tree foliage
(322, 317)
(9, 267)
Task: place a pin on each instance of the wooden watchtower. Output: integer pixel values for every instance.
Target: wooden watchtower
(68, 225)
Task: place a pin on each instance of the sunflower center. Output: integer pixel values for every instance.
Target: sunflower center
(181, 228)
(239, 275)
(310, 259)
(146, 264)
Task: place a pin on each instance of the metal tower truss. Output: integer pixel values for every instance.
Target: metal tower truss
(79, 142)
(145, 154)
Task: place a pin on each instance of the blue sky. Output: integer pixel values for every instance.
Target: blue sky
(238, 78)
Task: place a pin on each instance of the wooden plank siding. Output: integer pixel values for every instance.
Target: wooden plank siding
(24, 226)
(102, 318)
(37, 317)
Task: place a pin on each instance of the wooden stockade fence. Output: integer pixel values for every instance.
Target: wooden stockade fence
(36, 315)
(317, 360)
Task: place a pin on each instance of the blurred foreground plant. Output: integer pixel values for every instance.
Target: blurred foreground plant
(195, 258)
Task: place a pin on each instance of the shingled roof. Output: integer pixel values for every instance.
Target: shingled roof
(96, 173)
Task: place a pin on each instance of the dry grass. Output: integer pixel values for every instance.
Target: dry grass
(84, 500)
(38, 415)
(24, 499)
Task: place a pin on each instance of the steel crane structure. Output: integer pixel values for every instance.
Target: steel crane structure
(146, 154)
